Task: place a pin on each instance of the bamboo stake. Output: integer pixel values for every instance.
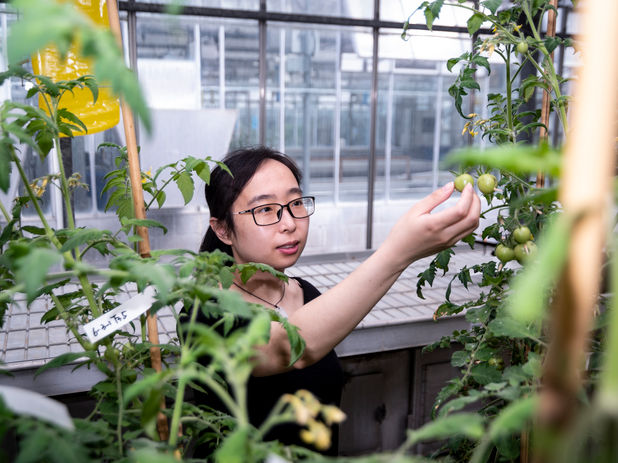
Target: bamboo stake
(586, 187)
(135, 177)
(545, 108)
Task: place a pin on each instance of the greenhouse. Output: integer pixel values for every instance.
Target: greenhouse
(293, 230)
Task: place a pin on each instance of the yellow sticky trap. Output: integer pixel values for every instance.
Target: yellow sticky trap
(103, 114)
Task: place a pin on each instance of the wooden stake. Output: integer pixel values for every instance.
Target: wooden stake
(586, 188)
(135, 177)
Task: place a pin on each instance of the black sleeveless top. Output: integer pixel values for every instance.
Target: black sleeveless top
(324, 379)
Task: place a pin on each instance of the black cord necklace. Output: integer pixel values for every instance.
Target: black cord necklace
(275, 305)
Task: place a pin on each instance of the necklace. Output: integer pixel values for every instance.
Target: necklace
(275, 305)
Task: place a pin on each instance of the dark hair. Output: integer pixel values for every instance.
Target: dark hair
(224, 188)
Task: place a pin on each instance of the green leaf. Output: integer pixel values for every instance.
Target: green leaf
(509, 327)
(33, 268)
(460, 358)
(474, 22)
(185, 184)
(460, 424)
(151, 455)
(519, 159)
(551, 43)
(492, 5)
(126, 222)
(297, 343)
(143, 385)
(203, 172)
(235, 448)
(82, 236)
(64, 359)
(458, 404)
(64, 113)
(6, 148)
(485, 374)
(533, 366)
(513, 417)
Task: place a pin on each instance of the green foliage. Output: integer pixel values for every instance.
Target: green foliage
(499, 356)
(42, 261)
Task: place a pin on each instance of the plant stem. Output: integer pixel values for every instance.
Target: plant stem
(176, 414)
(5, 212)
(225, 397)
(117, 371)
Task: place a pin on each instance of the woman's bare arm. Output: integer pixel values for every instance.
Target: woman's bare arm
(328, 319)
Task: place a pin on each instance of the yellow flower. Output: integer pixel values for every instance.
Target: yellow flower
(317, 434)
(516, 28)
(332, 414)
(465, 129)
(311, 403)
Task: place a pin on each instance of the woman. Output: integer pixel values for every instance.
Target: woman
(260, 215)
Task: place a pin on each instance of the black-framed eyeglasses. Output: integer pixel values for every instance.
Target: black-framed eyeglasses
(271, 213)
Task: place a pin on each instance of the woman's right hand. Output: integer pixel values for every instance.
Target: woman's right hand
(419, 233)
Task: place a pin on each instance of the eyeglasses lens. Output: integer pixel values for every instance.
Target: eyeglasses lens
(269, 214)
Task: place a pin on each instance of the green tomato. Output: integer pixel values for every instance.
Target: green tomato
(522, 47)
(524, 252)
(487, 183)
(462, 181)
(504, 253)
(522, 234)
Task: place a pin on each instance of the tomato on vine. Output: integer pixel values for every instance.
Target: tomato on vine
(522, 47)
(504, 253)
(462, 180)
(522, 234)
(487, 183)
(525, 251)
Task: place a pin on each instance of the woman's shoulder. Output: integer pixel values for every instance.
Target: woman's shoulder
(310, 292)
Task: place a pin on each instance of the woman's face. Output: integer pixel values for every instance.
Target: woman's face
(278, 245)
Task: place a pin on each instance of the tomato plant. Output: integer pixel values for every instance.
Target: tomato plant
(499, 357)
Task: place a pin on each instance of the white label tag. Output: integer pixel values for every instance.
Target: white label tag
(115, 319)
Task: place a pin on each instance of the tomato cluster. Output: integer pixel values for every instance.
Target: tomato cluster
(523, 251)
(486, 182)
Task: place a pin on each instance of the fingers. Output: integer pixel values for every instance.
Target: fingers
(428, 203)
(468, 202)
(467, 225)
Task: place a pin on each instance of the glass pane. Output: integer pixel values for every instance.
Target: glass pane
(318, 90)
(357, 9)
(201, 79)
(417, 124)
(227, 4)
(401, 10)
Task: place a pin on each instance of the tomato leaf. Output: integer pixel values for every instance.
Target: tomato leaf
(461, 424)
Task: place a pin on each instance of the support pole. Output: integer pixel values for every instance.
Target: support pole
(586, 192)
(135, 177)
